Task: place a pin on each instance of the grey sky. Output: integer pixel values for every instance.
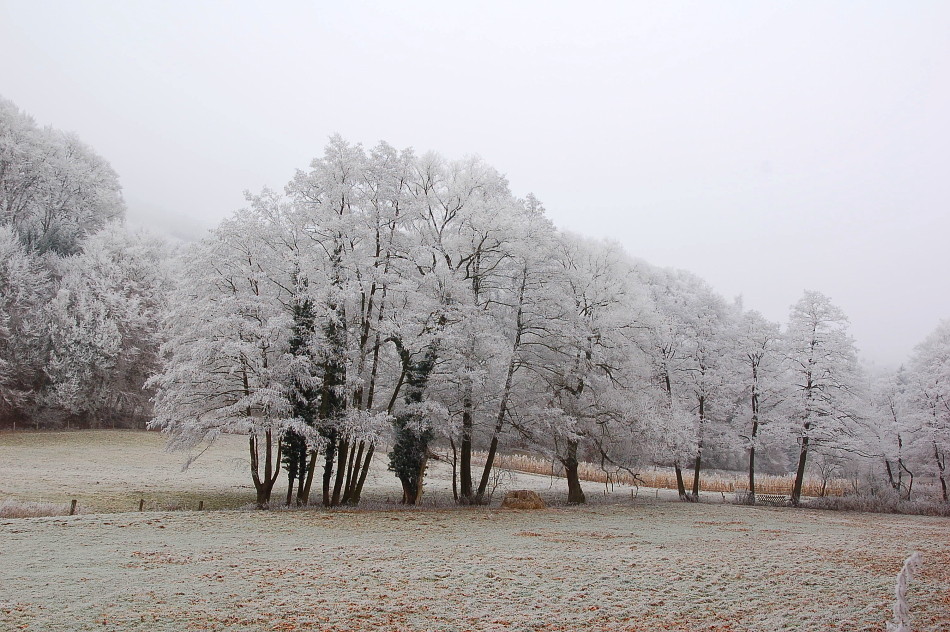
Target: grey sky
(767, 146)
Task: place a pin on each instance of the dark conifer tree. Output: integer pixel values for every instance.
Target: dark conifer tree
(298, 458)
(409, 453)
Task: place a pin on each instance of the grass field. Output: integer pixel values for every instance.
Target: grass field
(113, 470)
(621, 563)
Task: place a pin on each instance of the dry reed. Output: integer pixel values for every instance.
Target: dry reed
(663, 478)
(10, 508)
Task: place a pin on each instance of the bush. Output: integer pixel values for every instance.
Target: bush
(880, 502)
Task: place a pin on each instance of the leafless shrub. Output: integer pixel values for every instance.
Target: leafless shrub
(880, 503)
(743, 497)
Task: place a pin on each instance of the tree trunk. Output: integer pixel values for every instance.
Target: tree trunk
(343, 452)
(303, 496)
(900, 463)
(263, 498)
(329, 456)
(895, 485)
(295, 459)
(680, 486)
(408, 492)
(500, 419)
(264, 485)
(505, 394)
(755, 427)
(300, 485)
(361, 464)
(412, 487)
(358, 490)
(910, 485)
(696, 467)
(755, 431)
(333, 403)
(699, 447)
(352, 473)
(420, 478)
(466, 495)
(800, 472)
(290, 488)
(255, 473)
(575, 495)
(455, 479)
(806, 427)
(941, 469)
(752, 473)
(486, 471)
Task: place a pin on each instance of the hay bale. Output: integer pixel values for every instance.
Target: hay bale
(522, 499)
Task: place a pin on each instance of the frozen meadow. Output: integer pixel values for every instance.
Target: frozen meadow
(620, 563)
(357, 358)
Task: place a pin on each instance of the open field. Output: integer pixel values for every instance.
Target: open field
(622, 563)
(112, 470)
(649, 565)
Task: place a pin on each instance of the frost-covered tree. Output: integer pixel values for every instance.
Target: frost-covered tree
(522, 305)
(894, 432)
(687, 349)
(54, 189)
(299, 458)
(25, 286)
(823, 361)
(85, 343)
(227, 363)
(349, 215)
(586, 362)
(930, 367)
(55, 192)
(478, 248)
(759, 373)
(104, 325)
(706, 365)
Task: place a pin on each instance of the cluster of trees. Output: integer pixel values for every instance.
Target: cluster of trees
(386, 298)
(910, 409)
(79, 295)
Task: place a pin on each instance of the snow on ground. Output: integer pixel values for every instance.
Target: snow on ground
(619, 564)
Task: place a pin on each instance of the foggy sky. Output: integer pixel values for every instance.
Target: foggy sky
(768, 147)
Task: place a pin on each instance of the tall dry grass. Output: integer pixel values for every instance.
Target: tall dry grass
(663, 478)
(10, 508)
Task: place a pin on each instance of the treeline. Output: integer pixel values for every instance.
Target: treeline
(386, 298)
(79, 296)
